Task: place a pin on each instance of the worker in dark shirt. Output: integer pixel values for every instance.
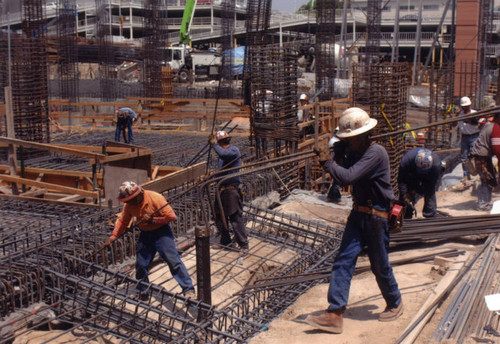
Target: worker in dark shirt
(366, 168)
(230, 194)
(419, 174)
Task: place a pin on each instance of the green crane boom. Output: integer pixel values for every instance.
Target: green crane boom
(187, 18)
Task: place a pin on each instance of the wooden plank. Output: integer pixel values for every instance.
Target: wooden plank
(155, 173)
(177, 178)
(34, 192)
(49, 186)
(45, 201)
(71, 198)
(51, 147)
(50, 172)
(123, 156)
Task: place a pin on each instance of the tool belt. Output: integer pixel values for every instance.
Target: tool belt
(231, 186)
(371, 211)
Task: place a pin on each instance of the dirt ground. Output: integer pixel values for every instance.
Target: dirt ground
(361, 326)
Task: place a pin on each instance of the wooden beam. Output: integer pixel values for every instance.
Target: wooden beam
(48, 172)
(51, 147)
(177, 178)
(117, 157)
(34, 192)
(49, 186)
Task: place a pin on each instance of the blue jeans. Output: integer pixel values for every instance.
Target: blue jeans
(118, 132)
(363, 230)
(130, 133)
(162, 241)
(466, 145)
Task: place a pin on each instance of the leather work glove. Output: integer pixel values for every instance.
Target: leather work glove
(108, 242)
(410, 208)
(323, 155)
(211, 139)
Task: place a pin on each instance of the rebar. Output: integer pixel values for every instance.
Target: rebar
(325, 48)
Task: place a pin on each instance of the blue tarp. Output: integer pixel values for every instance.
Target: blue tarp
(238, 59)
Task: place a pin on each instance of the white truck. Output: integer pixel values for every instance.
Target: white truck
(186, 62)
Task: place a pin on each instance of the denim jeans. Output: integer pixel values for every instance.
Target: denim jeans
(130, 133)
(162, 241)
(467, 143)
(363, 230)
(118, 133)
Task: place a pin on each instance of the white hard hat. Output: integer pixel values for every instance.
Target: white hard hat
(220, 135)
(303, 96)
(128, 190)
(465, 101)
(355, 121)
(423, 160)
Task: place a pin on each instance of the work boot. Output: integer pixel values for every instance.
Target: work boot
(330, 321)
(190, 295)
(391, 314)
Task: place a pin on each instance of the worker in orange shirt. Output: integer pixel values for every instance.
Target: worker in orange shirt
(153, 215)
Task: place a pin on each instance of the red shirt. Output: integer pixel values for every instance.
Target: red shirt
(495, 140)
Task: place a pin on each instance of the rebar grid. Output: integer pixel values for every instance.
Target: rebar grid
(441, 82)
(384, 88)
(93, 299)
(28, 73)
(468, 77)
(274, 86)
(325, 48)
(155, 42)
(67, 50)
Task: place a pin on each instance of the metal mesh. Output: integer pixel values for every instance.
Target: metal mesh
(384, 89)
(325, 48)
(155, 41)
(441, 106)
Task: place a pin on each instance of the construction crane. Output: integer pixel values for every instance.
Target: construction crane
(187, 19)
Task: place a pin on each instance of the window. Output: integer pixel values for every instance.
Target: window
(405, 8)
(431, 7)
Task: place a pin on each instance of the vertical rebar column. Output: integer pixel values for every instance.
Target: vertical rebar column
(67, 50)
(257, 24)
(441, 105)
(228, 13)
(373, 19)
(155, 40)
(485, 30)
(325, 48)
(105, 55)
(29, 75)
(203, 270)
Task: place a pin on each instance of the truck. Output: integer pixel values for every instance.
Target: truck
(186, 63)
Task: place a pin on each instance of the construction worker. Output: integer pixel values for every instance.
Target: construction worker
(153, 215)
(303, 114)
(419, 174)
(230, 194)
(469, 131)
(129, 118)
(122, 123)
(487, 145)
(367, 170)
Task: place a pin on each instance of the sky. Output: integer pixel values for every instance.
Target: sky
(287, 6)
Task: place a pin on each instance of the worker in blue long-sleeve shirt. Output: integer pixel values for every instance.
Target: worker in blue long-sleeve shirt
(230, 194)
(126, 118)
(419, 174)
(363, 164)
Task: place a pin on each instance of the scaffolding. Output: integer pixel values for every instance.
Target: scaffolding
(105, 54)
(373, 31)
